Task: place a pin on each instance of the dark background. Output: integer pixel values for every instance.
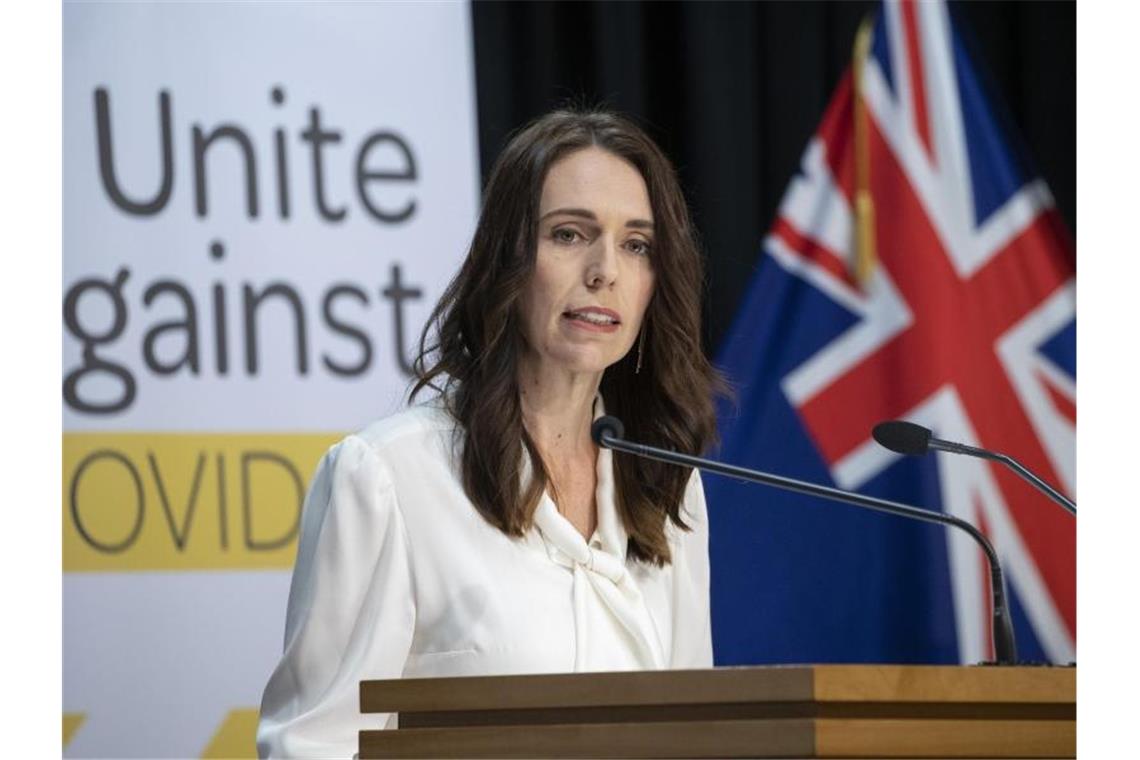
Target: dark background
(733, 91)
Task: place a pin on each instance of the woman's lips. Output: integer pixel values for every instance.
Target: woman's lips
(577, 319)
(599, 313)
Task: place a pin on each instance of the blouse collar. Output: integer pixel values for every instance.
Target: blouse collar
(559, 535)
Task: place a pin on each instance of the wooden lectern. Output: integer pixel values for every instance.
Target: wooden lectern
(809, 711)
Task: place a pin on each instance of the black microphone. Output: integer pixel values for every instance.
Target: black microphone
(606, 427)
(607, 432)
(914, 440)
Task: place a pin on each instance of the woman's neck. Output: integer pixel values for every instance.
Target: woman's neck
(558, 409)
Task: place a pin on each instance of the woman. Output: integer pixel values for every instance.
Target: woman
(483, 532)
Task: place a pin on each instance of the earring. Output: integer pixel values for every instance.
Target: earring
(640, 350)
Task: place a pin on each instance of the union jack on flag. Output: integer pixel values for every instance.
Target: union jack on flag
(917, 270)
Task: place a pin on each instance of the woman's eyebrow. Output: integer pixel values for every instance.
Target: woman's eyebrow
(641, 224)
(582, 212)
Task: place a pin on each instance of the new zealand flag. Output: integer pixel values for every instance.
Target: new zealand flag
(917, 270)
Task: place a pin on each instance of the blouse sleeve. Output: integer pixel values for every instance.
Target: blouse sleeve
(351, 610)
(692, 624)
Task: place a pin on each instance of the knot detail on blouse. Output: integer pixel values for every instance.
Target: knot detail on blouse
(565, 545)
(613, 628)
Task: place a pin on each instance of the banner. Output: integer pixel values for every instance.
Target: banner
(262, 202)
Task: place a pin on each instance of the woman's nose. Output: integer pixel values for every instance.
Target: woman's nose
(602, 269)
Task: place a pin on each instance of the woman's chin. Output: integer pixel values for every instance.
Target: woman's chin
(582, 362)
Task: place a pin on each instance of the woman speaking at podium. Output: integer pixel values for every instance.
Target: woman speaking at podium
(482, 532)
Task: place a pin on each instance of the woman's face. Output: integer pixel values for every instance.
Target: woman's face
(593, 274)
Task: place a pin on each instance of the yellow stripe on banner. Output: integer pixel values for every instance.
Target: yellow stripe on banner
(184, 501)
(71, 724)
(236, 737)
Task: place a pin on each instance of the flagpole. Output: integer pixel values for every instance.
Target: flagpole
(866, 258)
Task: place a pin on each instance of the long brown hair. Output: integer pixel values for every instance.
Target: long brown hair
(473, 339)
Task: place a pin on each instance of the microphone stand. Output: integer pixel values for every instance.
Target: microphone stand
(607, 432)
(914, 440)
(995, 456)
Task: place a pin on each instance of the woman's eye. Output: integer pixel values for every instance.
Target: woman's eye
(640, 247)
(565, 235)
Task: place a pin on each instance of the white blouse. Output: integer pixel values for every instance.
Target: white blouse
(398, 575)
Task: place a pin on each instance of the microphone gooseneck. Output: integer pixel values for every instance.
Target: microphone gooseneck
(912, 439)
(606, 432)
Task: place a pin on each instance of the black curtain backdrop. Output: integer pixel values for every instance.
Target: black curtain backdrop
(732, 91)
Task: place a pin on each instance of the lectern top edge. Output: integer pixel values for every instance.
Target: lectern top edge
(818, 683)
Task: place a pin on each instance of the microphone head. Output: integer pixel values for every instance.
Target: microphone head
(607, 425)
(902, 437)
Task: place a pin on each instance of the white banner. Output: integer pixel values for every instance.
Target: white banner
(262, 202)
